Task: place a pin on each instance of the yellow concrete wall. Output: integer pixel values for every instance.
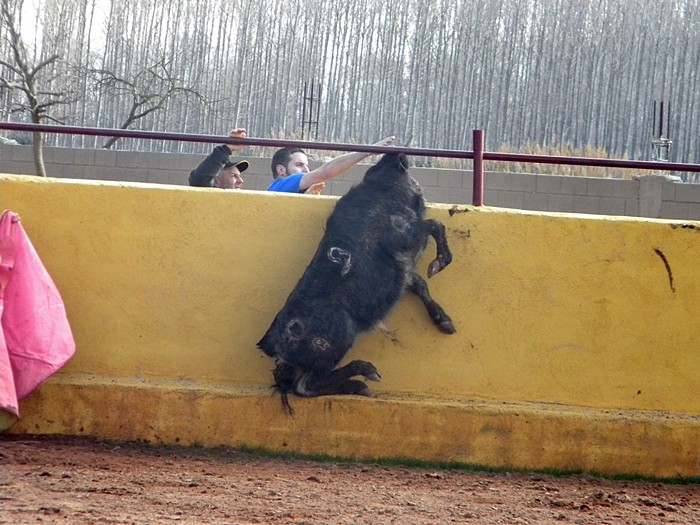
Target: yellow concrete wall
(178, 284)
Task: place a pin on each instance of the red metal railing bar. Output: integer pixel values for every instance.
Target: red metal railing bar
(217, 139)
(251, 141)
(590, 161)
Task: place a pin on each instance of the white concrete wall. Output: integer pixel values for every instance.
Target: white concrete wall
(647, 196)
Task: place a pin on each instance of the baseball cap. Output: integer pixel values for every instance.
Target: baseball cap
(242, 165)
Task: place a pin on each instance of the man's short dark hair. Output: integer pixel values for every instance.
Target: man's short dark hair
(283, 156)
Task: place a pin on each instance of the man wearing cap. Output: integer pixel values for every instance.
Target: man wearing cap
(218, 170)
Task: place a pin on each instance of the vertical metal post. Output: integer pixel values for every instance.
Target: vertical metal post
(307, 119)
(318, 108)
(478, 190)
(303, 110)
(661, 145)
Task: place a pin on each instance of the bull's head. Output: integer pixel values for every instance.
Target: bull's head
(313, 339)
(388, 168)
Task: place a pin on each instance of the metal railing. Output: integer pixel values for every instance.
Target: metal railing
(478, 155)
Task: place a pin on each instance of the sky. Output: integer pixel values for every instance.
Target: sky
(31, 22)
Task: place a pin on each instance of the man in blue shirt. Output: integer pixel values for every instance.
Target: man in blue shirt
(290, 169)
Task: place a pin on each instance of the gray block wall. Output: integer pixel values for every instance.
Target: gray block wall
(647, 195)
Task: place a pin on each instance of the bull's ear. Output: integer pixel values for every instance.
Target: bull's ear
(295, 329)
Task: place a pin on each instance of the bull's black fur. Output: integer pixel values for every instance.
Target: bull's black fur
(364, 263)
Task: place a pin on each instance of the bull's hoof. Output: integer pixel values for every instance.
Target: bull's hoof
(445, 325)
(448, 327)
(374, 376)
(437, 265)
(365, 392)
(365, 369)
(433, 268)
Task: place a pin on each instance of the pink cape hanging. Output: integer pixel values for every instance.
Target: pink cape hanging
(36, 339)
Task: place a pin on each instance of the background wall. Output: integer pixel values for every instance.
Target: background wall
(174, 285)
(183, 282)
(648, 196)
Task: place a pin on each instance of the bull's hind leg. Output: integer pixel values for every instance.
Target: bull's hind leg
(338, 382)
(444, 256)
(418, 286)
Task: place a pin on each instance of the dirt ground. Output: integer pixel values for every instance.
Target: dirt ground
(79, 481)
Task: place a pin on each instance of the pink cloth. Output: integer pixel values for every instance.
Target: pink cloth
(36, 339)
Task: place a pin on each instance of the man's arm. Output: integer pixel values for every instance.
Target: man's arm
(203, 175)
(337, 166)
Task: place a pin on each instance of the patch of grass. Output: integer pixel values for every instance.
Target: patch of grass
(246, 452)
(558, 150)
(566, 150)
(456, 466)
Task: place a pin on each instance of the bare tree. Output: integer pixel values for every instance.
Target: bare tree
(24, 77)
(149, 91)
(529, 72)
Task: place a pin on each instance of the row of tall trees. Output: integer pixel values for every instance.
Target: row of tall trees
(543, 72)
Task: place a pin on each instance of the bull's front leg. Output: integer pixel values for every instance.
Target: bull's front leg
(418, 286)
(337, 382)
(444, 256)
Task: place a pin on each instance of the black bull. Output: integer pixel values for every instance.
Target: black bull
(364, 263)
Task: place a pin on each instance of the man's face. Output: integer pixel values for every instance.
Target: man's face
(299, 163)
(229, 179)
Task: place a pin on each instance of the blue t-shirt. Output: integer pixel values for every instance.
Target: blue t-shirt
(288, 184)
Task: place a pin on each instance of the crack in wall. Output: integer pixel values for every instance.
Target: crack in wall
(668, 269)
